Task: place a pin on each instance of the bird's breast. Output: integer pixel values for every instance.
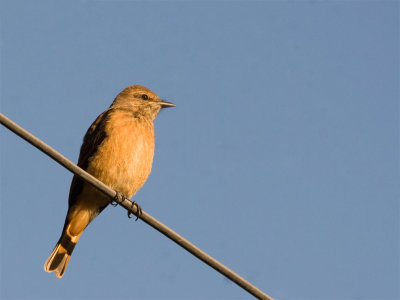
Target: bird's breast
(124, 159)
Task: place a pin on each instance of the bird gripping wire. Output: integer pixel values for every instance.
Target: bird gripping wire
(131, 208)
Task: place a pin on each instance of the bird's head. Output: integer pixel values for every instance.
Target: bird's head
(141, 101)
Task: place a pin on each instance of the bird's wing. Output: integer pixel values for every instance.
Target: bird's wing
(91, 142)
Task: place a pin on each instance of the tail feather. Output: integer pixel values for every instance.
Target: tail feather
(59, 258)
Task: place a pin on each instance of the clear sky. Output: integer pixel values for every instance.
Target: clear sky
(281, 158)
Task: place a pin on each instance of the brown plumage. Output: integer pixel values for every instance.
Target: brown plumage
(118, 150)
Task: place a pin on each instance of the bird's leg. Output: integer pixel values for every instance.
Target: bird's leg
(138, 210)
(119, 198)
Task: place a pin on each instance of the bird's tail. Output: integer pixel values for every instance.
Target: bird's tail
(59, 258)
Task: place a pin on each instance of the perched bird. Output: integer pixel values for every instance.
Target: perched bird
(118, 150)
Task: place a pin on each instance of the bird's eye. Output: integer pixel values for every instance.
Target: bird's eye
(145, 97)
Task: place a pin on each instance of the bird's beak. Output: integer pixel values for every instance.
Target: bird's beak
(165, 104)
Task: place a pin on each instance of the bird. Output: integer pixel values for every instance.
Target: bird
(117, 149)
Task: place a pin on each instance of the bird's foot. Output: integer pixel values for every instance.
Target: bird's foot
(119, 198)
(138, 210)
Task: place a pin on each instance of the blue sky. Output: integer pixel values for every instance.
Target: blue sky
(281, 158)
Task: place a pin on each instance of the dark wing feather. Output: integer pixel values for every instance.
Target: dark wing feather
(91, 142)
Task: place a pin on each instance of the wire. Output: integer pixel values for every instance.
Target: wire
(130, 207)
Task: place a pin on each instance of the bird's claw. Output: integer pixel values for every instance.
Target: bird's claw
(138, 210)
(118, 198)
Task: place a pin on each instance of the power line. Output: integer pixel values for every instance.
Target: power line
(130, 207)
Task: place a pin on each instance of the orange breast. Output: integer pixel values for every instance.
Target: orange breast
(124, 159)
